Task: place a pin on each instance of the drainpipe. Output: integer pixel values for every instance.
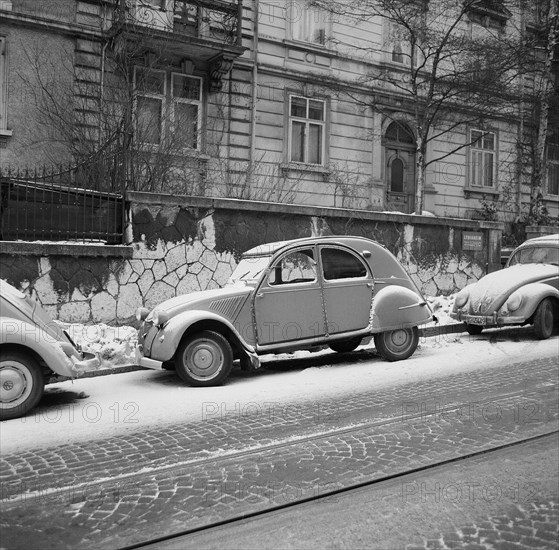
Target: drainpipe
(254, 89)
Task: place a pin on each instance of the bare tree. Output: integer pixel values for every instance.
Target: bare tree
(448, 76)
(544, 97)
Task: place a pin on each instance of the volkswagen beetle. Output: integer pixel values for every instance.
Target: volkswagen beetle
(525, 292)
(33, 350)
(286, 296)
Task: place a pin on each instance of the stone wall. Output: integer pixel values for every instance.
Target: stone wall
(179, 245)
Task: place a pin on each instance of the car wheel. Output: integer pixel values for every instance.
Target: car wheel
(474, 329)
(21, 384)
(543, 319)
(345, 346)
(204, 359)
(395, 345)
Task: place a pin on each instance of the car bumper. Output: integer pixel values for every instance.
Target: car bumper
(488, 320)
(85, 362)
(146, 361)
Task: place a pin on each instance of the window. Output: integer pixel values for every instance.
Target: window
(3, 85)
(306, 130)
(168, 109)
(339, 264)
(553, 168)
(308, 24)
(397, 54)
(482, 158)
(298, 266)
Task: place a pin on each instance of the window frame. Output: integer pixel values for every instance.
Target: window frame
(168, 104)
(307, 122)
(4, 86)
(552, 166)
(359, 261)
(278, 263)
(296, 23)
(472, 150)
(199, 103)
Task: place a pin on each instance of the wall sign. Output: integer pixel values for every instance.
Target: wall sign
(472, 240)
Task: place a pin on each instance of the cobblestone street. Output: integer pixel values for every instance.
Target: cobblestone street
(111, 493)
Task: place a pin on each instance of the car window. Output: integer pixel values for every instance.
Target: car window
(339, 264)
(536, 255)
(298, 266)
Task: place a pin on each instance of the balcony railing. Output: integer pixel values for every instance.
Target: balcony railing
(213, 20)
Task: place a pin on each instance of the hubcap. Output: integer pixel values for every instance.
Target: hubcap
(399, 338)
(203, 360)
(13, 384)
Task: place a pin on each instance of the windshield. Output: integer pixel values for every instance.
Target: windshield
(536, 255)
(249, 269)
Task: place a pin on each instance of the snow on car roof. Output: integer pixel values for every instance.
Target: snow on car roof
(547, 239)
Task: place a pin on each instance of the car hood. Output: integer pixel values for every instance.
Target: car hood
(30, 310)
(222, 300)
(491, 291)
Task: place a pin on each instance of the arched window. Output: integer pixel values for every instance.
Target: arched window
(399, 132)
(397, 176)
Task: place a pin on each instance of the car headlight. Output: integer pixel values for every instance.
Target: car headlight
(141, 313)
(159, 317)
(514, 301)
(462, 298)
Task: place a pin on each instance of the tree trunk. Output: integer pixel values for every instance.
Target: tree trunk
(538, 172)
(420, 184)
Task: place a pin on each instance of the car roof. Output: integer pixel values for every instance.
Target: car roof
(545, 239)
(271, 248)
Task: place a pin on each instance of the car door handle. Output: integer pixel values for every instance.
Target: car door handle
(260, 295)
(370, 285)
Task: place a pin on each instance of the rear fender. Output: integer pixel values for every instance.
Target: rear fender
(56, 354)
(397, 307)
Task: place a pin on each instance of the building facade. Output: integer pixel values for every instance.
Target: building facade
(268, 100)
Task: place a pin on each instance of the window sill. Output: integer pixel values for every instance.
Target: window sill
(310, 47)
(551, 198)
(480, 192)
(302, 167)
(6, 133)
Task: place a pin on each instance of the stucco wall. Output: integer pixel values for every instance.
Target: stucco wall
(179, 245)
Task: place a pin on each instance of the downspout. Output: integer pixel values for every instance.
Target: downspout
(254, 92)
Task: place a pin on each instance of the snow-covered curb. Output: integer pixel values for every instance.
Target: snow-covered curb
(115, 345)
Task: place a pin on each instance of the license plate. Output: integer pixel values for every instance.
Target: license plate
(477, 321)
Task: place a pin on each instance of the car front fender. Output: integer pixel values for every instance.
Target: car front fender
(59, 356)
(397, 307)
(168, 338)
(532, 295)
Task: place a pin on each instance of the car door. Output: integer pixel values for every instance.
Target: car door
(347, 289)
(288, 304)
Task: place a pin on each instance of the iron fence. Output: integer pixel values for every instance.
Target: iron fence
(51, 205)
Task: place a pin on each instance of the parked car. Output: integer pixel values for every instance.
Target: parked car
(525, 292)
(286, 296)
(33, 350)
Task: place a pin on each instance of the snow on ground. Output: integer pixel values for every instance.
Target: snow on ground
(117, 405)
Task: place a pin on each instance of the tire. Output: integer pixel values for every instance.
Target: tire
(544, 319)
(395, 345)
(21, 384)
(345, 346)
(204, 359)
(474, 329)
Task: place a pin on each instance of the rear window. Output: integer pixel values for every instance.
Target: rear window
(339, 264)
